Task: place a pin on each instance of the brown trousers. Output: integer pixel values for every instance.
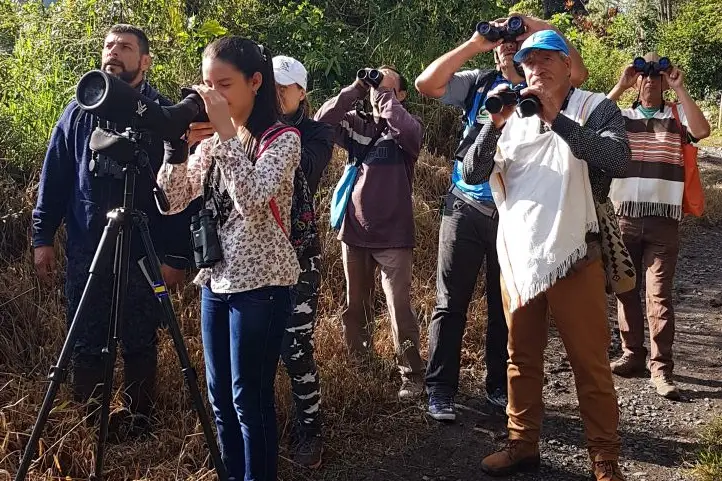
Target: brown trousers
(578, 305)
(360, 265)
(653, 244)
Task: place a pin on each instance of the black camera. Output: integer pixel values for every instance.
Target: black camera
(651, 68)
(114, 100)
(370, 76)
(206, 243)
(526, 106)
(509, 32)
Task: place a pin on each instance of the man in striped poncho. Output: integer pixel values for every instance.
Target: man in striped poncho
(648, 201)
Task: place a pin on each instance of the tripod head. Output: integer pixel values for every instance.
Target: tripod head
(123, 155)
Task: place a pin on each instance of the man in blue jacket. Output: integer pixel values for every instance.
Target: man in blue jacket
(70, 192)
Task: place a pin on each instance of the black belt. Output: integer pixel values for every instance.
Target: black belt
(486, 208)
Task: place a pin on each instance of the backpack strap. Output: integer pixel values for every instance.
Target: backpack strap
(271, 134)
(484, 79)
(380, 129)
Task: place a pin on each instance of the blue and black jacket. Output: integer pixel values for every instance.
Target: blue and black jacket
(69, 192)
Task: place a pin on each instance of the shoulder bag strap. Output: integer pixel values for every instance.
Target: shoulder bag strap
(380, 129)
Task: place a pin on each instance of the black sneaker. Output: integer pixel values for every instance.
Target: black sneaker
(441, 407)
(308, 451)
(498, 398)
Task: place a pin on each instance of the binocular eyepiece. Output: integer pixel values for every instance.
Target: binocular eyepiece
(370, 76)
(651, 68)
(525, 106)
(513, 28)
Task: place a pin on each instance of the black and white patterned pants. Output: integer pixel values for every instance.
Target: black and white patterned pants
(297, 348)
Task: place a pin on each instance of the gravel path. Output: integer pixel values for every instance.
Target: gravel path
(658, 435)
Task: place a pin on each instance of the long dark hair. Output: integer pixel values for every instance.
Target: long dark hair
(248, 57)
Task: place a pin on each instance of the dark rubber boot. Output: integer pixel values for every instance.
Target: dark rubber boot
(140, 378)
(87, 384)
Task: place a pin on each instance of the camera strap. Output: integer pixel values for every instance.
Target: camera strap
(208, 187)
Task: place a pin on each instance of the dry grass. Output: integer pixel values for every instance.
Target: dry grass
(359, 406)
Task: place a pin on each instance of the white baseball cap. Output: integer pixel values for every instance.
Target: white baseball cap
(288, 70)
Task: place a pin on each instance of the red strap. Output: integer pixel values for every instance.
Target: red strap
(277, 215)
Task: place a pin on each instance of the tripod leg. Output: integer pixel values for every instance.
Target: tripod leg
(121, 265)
(58, 372)
(156, 279)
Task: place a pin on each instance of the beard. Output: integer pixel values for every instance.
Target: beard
(125, 75)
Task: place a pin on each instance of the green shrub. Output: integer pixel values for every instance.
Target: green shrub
(694, 42)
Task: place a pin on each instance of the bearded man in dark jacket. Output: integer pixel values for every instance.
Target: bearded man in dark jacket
(70, 192)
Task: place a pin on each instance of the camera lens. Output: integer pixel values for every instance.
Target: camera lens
(92, 89)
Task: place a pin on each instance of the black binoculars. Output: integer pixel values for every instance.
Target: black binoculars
(370, 76)
(205, 240)
(525, 106)
(513, 28)
(651, 68)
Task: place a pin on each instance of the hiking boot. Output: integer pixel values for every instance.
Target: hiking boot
(516, 457)
(665, 386)
(308, 451)
(498, 398)
(628, 365)
(411, 389)
(441, 407)
(608, 471)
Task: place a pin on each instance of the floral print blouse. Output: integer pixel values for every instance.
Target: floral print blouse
(256, 250)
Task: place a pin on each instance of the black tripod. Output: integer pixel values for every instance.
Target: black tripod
(117, 236)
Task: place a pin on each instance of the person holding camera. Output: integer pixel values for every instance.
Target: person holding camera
(298, 348)
(467, 235)
(378, 223)
(78, 186)
(243, 168)
(648, 202)
(547, 172)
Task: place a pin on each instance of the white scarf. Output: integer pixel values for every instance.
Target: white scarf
(544, 200)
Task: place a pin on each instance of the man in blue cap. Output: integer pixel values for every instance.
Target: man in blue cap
(549, 170)
(467, 236)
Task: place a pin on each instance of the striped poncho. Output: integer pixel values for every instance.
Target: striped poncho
(654, 182)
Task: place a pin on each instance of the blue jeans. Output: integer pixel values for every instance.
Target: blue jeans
(242, 336)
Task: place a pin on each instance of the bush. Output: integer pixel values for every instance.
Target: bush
(694, 42)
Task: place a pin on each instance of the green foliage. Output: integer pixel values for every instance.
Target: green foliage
(535, 8)
(694, 42)
(604, 63)
(45, 50)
